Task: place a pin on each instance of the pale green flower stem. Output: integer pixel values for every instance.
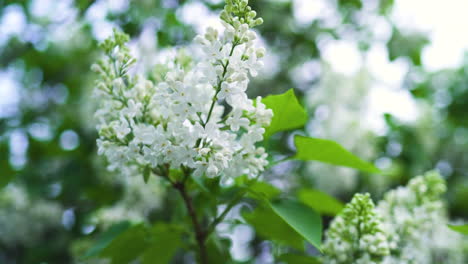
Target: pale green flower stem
(218, 87)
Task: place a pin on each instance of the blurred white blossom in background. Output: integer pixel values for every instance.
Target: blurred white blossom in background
(25, 220)
(415, 219)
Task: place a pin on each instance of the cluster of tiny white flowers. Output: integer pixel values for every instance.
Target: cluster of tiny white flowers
(413, 217)
(356, 234)
(195, 116)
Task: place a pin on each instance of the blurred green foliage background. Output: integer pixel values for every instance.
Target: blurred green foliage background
(358, 70)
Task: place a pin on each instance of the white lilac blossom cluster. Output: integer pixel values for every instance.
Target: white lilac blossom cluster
(409, 227)
(415, 217)
(356, 235)
(196, 117)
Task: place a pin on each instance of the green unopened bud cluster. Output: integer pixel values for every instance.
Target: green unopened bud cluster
(113, 68)
(407, 227)
(237, 12)
(118, 39)
(428, 188)
(356, 234)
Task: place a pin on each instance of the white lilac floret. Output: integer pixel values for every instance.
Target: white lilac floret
(178, 121)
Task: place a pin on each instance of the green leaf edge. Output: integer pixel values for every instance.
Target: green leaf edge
(106, 238)
(462, 229)
(295, 229)
(336, 203)
(295, 101)
(366, 166)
